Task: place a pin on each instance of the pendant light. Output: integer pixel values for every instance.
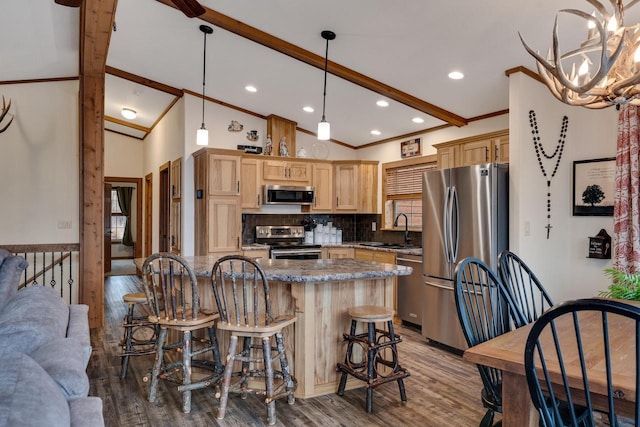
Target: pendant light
(324, 128)
(202, 136)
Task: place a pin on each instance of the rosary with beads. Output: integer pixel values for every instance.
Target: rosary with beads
(556, 154)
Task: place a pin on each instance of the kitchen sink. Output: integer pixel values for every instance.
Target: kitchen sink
(389, 245)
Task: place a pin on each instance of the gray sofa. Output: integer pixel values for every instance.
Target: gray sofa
(44, 352)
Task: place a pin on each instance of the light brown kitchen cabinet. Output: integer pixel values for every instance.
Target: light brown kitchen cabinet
(278, 127)
(377, 256)
(322, 181)
(286, 172)
(337, 253)
(486, 148)
(356, 186)
(250, 184)
(502, 149)
(259, 254)
(217, 206)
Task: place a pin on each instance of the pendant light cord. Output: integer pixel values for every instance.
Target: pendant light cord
(324, 94)
(204, 73)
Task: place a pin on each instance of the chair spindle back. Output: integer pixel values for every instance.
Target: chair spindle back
(171, 287)
(557, 358)
(241, 290)
(526, 290)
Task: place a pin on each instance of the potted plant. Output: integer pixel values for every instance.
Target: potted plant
(624, 285)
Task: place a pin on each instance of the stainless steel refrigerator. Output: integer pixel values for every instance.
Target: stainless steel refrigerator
(465, 213)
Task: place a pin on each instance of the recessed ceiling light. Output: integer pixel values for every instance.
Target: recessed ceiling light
(417, 120)
(382, 103)
(456, 75)
(250, 88)
(308, 109)
(129, 114)
(376, 132)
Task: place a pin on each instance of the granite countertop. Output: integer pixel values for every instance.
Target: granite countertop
(408, 251)
(316, 270)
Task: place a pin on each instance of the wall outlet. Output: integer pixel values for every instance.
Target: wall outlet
(64, 224)
(374, 226)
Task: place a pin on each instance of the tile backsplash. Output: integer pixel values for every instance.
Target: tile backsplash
(355, 227)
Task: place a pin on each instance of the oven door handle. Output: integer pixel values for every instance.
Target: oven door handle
(295, 251)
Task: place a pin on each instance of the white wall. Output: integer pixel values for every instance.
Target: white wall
(122, 156)
(39, 164)
(561, 261)
(164, 144)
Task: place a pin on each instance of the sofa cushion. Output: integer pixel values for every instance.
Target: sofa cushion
(78, 329)
(86, 412)
(63, 360)
(28, 396)
(11, 267)
(31, 318)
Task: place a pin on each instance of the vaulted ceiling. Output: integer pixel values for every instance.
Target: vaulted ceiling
(400, 52)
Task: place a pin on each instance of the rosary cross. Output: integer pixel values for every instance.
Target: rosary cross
(548, 227)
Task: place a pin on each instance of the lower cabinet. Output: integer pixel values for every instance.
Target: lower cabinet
(261, 254)
(376, 256)
(336, 253)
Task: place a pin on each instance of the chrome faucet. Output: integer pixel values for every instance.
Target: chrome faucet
(406, 227)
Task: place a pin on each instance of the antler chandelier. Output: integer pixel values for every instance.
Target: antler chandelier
(611, 49)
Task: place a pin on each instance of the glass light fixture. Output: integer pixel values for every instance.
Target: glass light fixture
(324, 127)
(456, 75)
(202, 135)
(129, 113)
(382, 103)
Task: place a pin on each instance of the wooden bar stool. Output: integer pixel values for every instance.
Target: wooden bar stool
(376, 352)
(140, 334)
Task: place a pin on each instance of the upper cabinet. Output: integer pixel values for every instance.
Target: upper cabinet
(286, 172)
(251, 184)
(487, 148)
(217, 206)
(279, 127)
(322, 181)
(356, 186)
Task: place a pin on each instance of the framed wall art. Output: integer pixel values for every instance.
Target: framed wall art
(410, 148)
(594, 186)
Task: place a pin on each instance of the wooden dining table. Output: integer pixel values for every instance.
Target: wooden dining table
(506, 352)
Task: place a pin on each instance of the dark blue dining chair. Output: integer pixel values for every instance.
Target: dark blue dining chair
(564, 397)
(485, 311)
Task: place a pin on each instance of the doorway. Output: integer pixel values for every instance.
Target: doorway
(165, 208)
(117, 250)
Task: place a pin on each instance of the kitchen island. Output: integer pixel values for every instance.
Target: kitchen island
(319, 292)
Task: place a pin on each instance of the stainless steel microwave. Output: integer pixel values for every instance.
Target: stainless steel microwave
(288, 195)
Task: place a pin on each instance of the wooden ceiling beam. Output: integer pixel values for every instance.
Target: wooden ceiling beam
(144, 81)
(310, 58)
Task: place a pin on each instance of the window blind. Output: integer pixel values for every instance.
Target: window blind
(406, 181)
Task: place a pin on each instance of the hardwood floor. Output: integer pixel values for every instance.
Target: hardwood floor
(443, 390)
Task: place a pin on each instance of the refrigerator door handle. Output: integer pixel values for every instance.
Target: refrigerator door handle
(445, 225)
(435, 285)
(454, 247)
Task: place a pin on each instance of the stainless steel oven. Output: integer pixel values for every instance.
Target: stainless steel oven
(296, 252)
(286, 242)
